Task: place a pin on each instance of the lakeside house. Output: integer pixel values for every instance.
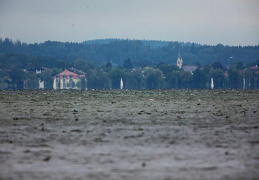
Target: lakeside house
(68, 80)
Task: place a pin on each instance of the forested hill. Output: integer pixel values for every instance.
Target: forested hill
(151, 43)
(141, 52)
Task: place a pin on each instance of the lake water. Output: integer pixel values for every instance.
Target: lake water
(135, 134)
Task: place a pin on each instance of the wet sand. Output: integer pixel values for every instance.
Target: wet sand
(149, 135)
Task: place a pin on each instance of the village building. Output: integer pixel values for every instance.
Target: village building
(189, 68)
(184, 67)
(42, 69)
(68, 80)
(76, 71)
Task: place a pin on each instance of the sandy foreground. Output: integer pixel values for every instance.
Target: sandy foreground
(132, 135)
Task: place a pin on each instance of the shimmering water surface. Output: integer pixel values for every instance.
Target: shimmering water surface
(120, 134)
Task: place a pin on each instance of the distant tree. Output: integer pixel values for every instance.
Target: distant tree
(97, 79)
(136, 80)
(4, 73)
(33, 82)
(55, 71)
(91, 79)
(108, 65)
(238, 66)
(171, 80)
(198, 64)
(143, 63)
(61, 64)
(217, 65)
(234, 77)
(218, 77)
(46, 76)
(127, 64)
(174, 68)
(153, 79)
(83, 82)
(115, 75)
(165, 68)
(80, 64)
(4, 79)
(89, 65)
(250, 77)
(185, 80)
(207, 69)
(30, 67)
(253, 63)
(17, 75)
(199, 79)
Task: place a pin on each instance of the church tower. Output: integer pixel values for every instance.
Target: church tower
(179, 60)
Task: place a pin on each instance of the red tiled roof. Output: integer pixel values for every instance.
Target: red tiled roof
(68, 73)
(76, 70)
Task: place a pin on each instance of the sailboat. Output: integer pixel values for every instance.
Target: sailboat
(121, 84)
(212, 83)
(244, 83)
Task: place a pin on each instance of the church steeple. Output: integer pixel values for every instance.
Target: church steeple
(179, 54)
(179, 60)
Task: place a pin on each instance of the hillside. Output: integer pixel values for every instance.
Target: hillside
(139, 51)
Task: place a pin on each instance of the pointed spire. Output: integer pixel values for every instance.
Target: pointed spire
(179, 54)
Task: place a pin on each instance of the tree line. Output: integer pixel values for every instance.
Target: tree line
(17, 72)
(141, 52)
(141, 64)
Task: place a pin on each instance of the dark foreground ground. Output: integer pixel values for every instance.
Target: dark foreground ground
(132, 135)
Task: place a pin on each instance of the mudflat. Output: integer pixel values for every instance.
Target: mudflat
(129, 134)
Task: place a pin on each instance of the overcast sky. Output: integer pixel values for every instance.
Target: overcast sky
(229, 22)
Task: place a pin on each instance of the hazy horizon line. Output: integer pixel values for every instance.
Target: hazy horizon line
(131, 39)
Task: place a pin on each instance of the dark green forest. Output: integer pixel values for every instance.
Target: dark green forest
(142, 64)
(140, 52)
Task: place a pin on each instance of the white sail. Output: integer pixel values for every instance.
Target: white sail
(121, 84)
(244, 83)
(212, 83)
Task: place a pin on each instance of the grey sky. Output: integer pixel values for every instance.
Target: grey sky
(229, 22)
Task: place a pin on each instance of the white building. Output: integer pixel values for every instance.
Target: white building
(67, 80)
